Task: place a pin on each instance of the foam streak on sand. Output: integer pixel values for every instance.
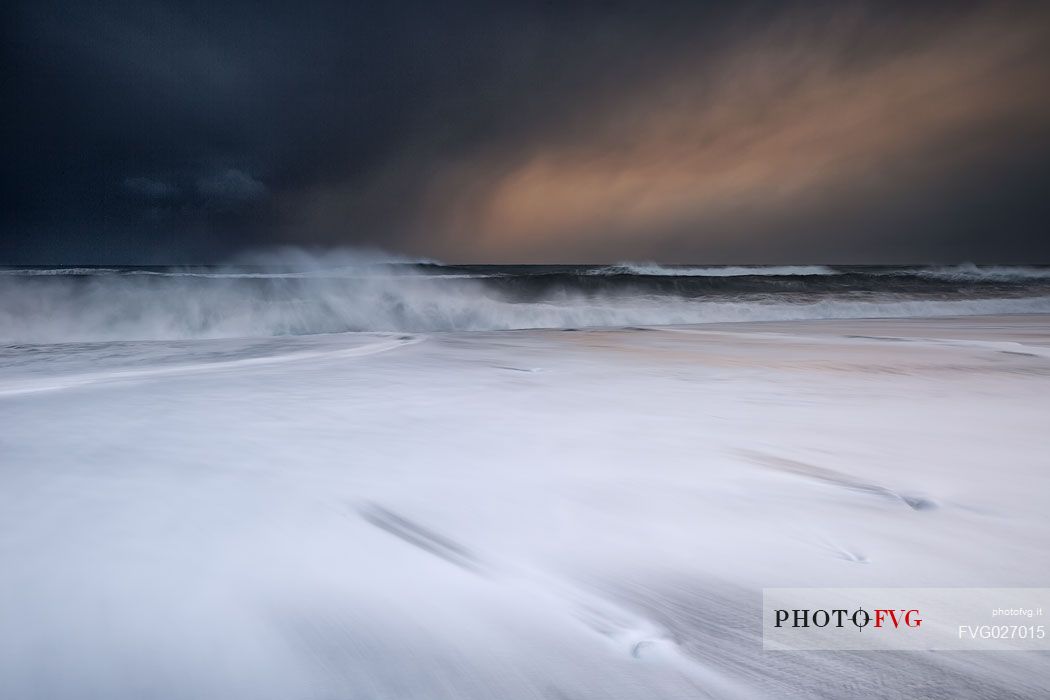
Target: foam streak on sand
(365, 515)
(382, 344)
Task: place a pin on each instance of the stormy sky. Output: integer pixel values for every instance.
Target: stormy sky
(701, 132)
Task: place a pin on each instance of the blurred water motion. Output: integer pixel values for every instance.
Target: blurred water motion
(398, 515)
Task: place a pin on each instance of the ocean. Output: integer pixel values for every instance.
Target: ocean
(317, 295)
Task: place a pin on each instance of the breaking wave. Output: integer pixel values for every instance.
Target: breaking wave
(969, 272)
(80, 307)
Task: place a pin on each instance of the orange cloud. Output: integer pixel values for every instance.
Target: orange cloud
(791, 115)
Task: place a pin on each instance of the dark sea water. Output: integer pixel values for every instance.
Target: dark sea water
(57, 304)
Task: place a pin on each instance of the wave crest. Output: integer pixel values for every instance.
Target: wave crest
(76, 309)
(969, 272)
(652, 269)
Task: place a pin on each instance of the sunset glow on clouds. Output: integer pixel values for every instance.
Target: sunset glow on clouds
(780, 121)
(756, 131)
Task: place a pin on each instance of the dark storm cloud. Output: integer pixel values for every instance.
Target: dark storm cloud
(157, 132)
(151, 189)
(231, 185)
